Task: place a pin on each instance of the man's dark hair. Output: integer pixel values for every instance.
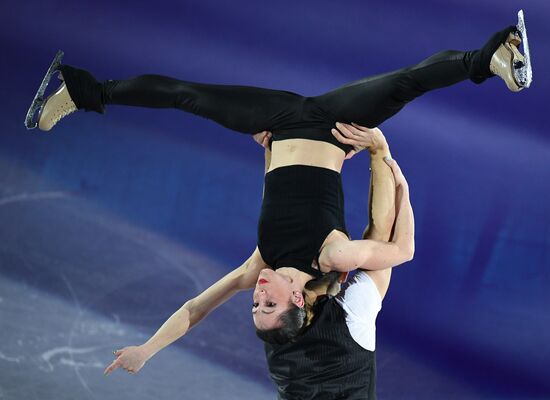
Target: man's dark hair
(293, 321)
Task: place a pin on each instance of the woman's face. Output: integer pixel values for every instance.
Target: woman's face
(272, 295)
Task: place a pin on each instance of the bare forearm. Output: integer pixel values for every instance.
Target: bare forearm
(381, 211)
(196, 309)
(381, 198)
(133, 358)
(404, 223)
(174, 328)
(376, 254)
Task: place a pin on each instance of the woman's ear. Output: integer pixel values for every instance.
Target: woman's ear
(298, 299)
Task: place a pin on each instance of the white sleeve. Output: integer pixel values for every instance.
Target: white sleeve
(361, 301)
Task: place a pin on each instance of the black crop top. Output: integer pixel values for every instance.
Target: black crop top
(314, 123)
(301, 206)
(319, 134)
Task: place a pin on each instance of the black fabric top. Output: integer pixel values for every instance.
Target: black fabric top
(301, 206)
(321, 133)
(313, 122)
(323, 363)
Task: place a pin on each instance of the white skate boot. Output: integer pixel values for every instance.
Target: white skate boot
(508, 63)
(58, 105)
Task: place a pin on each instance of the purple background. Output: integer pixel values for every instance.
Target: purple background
(122, 217)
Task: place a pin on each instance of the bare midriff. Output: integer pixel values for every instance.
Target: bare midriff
(306, 152)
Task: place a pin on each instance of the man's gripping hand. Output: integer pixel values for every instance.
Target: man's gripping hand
(263, 138)
(360, 137)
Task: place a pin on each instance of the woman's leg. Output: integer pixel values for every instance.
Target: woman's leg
(241, 108)
(373, 100)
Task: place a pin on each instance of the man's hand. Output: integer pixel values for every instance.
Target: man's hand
(263, 138)
(360, 138)
(131, 359)
(400, 181)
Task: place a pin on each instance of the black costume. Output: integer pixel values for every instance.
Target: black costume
(367, 102)
(301, 206)
(323, 363)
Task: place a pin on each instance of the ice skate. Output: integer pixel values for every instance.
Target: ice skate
(508, 63)
(58, 105)
(38, 101)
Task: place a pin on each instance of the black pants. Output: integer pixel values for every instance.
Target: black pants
(368, 102)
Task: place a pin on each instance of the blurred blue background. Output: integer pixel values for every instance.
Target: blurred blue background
(111, 222)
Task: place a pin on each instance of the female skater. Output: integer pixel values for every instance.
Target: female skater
(301, 231)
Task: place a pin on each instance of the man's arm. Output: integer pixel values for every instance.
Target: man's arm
(381, 192)
(267, 159)
(382, 182)
(263, 139)
(374, 252)
(362, 295)
(190, 314)
(381, 210)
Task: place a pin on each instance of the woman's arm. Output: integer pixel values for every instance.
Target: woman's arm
(196, 309)
(190, 314)
(374, 254)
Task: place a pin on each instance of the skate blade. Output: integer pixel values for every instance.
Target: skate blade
(31, 121)
(523, 73)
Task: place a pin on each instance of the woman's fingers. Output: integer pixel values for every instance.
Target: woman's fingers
(114, 365)
(119, 364)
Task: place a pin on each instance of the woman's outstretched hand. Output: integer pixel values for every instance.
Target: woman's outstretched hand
(131, 359)
(263, 138)
(360, 137)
